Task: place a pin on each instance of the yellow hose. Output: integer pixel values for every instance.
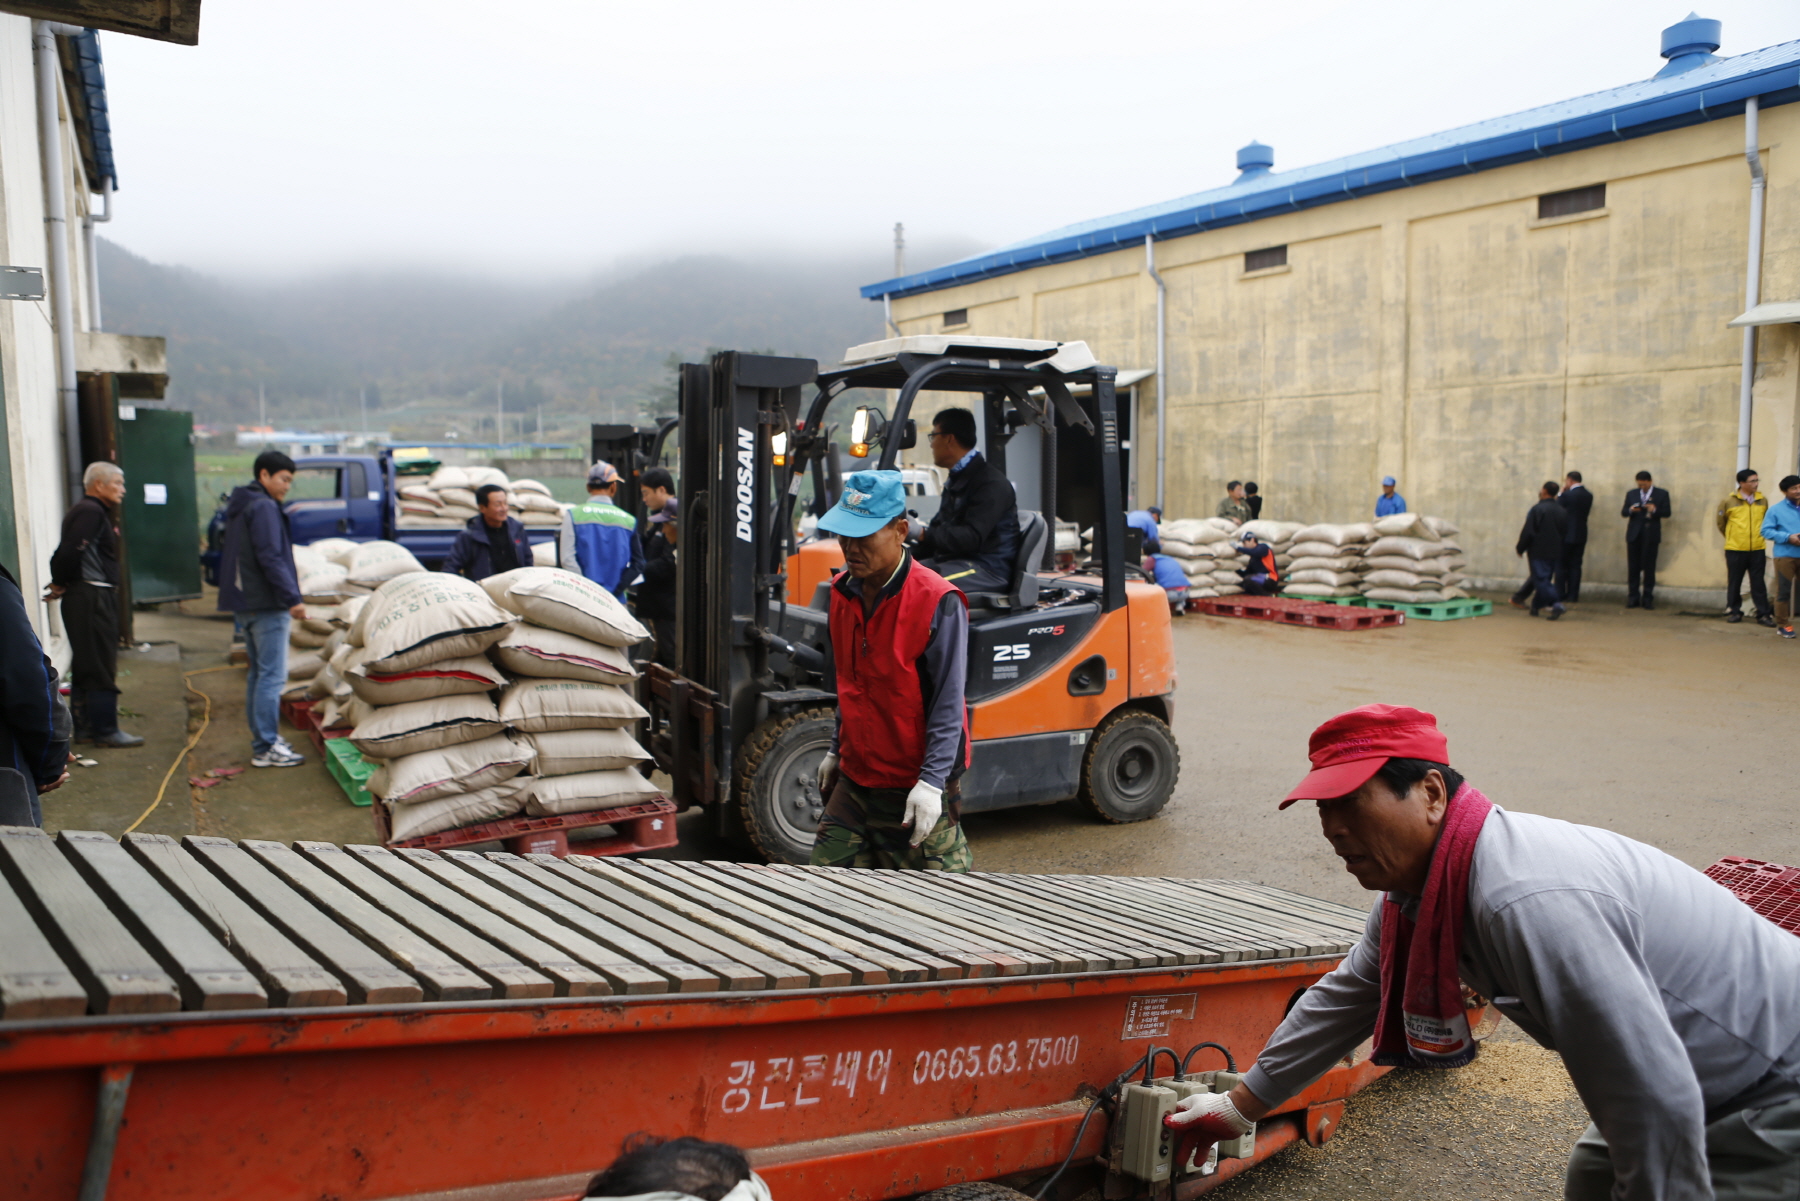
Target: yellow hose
(205, 720)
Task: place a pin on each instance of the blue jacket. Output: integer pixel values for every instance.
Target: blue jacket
(1143, 519)
(1783, 520)
(472, 554)
(1387, 506)
(600, 540)
(1168, 572)
(256, 565)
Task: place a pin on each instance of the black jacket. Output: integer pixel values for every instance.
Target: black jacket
(256, 565)
(1645, 527)
(1575, 504)
(1542, 535)
(472, 554)
(89, 549)
(978, 519)
(656, 595)
(34, 723)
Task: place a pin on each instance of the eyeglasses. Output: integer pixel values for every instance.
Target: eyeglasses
(934, 435)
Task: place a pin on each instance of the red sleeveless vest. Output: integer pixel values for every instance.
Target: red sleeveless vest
(881, 703)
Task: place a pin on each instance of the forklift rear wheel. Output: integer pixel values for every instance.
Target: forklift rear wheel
(1131, 768)
(778, 783)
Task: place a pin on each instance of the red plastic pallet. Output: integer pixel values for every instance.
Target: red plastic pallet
(304, 717)
(1769, 888)
(640, 827)
(1293, 611)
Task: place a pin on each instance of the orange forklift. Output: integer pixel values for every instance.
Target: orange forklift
(1071, 674)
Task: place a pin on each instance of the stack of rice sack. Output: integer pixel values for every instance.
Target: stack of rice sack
(446, 500)
(337, 575)
(1326, 561)
(1201, 548)
(1413, 559)
(487, 700)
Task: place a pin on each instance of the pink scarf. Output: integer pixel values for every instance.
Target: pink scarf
(1421, 1022)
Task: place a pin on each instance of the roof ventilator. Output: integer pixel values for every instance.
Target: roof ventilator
(1254, 161)
(1688, 44)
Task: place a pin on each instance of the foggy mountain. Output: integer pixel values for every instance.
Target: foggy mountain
(430, 350)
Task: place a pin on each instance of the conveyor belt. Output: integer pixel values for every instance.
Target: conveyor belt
(152, 925)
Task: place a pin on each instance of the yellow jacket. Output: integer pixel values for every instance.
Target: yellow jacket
(1741, 521)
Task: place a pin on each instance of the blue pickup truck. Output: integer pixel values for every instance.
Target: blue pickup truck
(355, 497)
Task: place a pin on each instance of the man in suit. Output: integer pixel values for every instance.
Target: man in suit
(1575, 500)
(1541, 542)
(1646, 507)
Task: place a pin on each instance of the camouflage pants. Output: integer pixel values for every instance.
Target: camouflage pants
(861, 827)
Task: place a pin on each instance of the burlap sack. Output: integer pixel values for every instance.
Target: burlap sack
(536, 519)
(481, 477)
(353, 710)
(529, 650)
(521, 487)
(427, 775)
(1227, 589)
(537, 706)
(1388, 578)
(304, 667)
(347, 612)
(1321, 562)
(1319, 591)
(1440, 527)
(431, 617)
(566, 752)
(458, 514)
(334, 550)
(543, 554)
(448, 477)
(1335, 535)
(1311, 548)
(1411, 548)
(375, 563)
(1432, 566)
(322, 583)
(1404, 525)
(448, 677)
(536, 502)
(1272, 531)
(586, 791)
(1202, 591)
(1195, 531)
(564, 600)
(1315, 575)
(1413, 596)
(462, 498)
(397, 730)
(454, 812)
(301, 638)
(422, 494)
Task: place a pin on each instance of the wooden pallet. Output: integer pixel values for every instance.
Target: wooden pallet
(1295, 611)
(644, 826)
(151, 925)
(1450, 610)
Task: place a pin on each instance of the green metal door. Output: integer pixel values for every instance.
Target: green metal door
(162, 542)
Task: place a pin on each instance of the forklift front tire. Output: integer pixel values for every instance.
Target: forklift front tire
(778, 783)
(1131, 767)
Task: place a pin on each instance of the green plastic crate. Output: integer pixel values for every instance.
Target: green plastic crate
(348, 767)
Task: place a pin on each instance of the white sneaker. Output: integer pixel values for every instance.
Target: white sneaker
(279, 755)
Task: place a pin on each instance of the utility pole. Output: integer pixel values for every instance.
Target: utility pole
(362, 398)
(540, 423)
(262, 408)
(899, 250)
(499, 412)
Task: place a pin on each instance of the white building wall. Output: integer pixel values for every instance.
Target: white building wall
(28, 368)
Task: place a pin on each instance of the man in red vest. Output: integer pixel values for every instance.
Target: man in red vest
(899, 641)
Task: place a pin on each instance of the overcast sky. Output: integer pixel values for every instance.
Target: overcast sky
(331, 135)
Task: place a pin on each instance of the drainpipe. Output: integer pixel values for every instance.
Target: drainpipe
(1162, 378)
(887, 314)
(56, 233)
(1752, 281)
(93, 263)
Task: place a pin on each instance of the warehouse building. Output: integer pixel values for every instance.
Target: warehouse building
(1473, 312)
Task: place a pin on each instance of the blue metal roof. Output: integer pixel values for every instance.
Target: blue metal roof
(92, 76)
(1704, 93)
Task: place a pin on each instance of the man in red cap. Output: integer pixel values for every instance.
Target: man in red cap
(1675, 1007)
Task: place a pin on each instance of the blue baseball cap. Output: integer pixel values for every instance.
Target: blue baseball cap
(871, 500)
(1387, 481)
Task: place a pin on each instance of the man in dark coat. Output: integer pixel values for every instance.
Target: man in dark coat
(974, 538)
(656, 595)
(493, 542)
(84, 574)
(1646, 507)
(258, 583)
(34, 724)
(1541, 542)
(1576, 501)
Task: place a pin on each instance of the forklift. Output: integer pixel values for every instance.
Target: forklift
(1071, 674)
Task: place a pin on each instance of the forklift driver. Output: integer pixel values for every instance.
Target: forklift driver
(974, 538)
(899, 641)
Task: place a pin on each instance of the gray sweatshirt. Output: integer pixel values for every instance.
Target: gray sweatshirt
(1671, 1002)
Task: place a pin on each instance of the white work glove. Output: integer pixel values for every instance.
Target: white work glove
(1211, 1115)
(924, 805)
(827, 765)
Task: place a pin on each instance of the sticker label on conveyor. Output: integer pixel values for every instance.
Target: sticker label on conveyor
(1149, 1017)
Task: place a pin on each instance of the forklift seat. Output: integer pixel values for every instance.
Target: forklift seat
(1033, 532)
